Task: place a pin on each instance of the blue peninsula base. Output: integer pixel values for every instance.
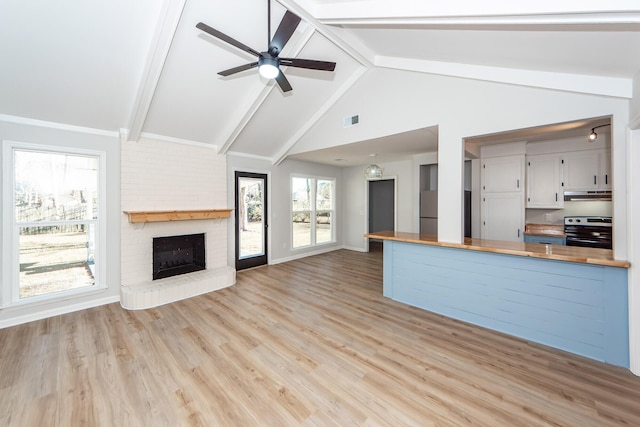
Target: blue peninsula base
(576, 307)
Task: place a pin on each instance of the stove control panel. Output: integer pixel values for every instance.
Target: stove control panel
(598, 221)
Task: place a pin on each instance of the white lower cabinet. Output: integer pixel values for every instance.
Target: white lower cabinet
(503, 216)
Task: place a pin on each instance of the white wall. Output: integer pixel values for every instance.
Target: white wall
(355, 201)
(463, 108)
(36, 132)
(279, 204)
(590, 208)
(633, 229)
(407, 189)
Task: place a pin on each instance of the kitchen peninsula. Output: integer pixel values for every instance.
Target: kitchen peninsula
(571, 298)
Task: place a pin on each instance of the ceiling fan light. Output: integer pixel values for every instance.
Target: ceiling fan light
(268, 67)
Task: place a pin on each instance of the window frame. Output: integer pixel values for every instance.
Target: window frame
(313, 211)
(9, 281)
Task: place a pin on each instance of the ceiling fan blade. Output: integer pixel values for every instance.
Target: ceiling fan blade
(284, 32)
(222, 36)
(308, 63)
(283, 82)
(238, 69)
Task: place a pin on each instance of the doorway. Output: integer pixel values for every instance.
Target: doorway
(251, 219)
(382, 206)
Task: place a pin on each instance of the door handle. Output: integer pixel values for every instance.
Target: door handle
(594, 180)
(517, 183)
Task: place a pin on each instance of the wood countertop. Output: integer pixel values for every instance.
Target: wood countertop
(552, 252)
(553, 230)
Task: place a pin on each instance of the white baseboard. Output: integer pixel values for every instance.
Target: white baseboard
(354, 248)
(43, 314)
(305, 254)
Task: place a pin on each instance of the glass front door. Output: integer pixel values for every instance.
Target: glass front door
(251, 219)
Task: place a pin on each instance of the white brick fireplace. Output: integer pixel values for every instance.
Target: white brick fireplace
(164, 176)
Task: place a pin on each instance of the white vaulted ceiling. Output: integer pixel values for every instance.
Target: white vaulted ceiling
(243, 112)
(77, 63)
(143, 66)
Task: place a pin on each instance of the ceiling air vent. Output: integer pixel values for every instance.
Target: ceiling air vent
(351, 121)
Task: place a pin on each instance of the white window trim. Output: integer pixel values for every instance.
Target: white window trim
(9, 295)
(313, 211)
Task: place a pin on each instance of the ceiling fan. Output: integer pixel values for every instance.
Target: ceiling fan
(269, 62)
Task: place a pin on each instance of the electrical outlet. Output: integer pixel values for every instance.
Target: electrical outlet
(548, 217)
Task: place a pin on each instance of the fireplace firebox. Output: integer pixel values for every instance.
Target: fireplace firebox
(174, 255)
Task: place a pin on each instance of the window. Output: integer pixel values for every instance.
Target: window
(53, 223)
(312, 211)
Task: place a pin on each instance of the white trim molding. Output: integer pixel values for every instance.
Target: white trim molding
(305, 254)
(57, 126)
(595, 85)
(282, 155)
(633, 208)
(164, 138)
(158, 52)
(540, 12)
(57, 311)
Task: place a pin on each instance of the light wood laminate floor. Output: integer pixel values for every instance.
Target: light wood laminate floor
(310, 342)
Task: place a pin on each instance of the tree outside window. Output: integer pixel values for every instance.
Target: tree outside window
(56, 205)
(312, 201)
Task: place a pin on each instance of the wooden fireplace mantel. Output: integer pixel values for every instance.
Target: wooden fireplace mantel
(158, 216)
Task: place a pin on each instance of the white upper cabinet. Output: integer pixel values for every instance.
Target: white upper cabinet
(605, 170)
(544, 182)
(503, 174)
(586, 170)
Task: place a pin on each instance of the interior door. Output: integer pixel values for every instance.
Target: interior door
(251, 219)
(381, 205)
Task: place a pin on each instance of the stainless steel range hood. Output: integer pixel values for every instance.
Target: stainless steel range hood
(583, 196)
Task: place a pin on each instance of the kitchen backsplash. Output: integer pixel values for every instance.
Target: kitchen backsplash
(556, 216)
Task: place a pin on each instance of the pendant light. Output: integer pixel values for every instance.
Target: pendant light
(373, 171)
(593, 135)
